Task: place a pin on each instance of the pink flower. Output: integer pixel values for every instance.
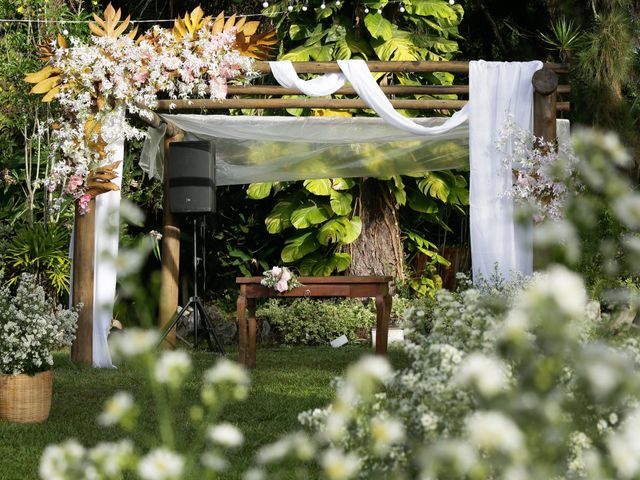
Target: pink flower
(83, 203)
(286, 275)
(282, 286)
(275, 272)
(74, 182)
(218, 87)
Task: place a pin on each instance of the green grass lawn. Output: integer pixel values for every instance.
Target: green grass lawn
(286, 382)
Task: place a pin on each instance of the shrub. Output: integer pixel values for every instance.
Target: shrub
(29, 329)
(42, 251)
(313, 322)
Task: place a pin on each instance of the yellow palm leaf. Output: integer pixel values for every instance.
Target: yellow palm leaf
(51, 95)
(110, 26)
(45, 85)
(40, 75)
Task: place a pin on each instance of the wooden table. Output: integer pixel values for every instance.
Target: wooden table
(358, 287)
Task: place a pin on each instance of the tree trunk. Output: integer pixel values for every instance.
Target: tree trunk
(378, 250)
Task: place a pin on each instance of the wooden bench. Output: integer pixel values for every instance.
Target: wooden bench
(353, 287)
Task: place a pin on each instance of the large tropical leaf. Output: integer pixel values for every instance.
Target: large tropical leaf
(317, 265)
(341, 202)
(320, 186)
(378, 26)
(258, 191)
(398, 47)
(298, 246)
(340, 230)
(432, 8)
(308, 215)
(437, 185)
(280, 216)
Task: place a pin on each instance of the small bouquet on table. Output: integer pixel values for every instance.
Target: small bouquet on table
(281, 279)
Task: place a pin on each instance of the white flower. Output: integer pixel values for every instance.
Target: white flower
(483, 372)
(370, 368)
(226, 371)
(161, 464)
(172, 367)
(253, 474)
(492, 430)
(226, 435)
(116, 408)
(385, 433)
(627, 209)
(565, 287)
(624, 446)
(61, 461)
(214, 461)
(134, 341)
(602, 377)
(340, 466)
(110, 458)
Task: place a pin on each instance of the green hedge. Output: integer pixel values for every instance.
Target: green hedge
(312, 322)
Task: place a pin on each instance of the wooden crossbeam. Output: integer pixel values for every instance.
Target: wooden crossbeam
(406, 67)
(322, 103)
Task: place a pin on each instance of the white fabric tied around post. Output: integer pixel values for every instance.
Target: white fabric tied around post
(498, 92)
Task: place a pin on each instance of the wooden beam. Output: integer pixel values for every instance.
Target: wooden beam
(388, 89)
(328, 103)
(277, 103)
(545, 86)
(83, 269)
(406, 67)
(152, 119)
(170, 253)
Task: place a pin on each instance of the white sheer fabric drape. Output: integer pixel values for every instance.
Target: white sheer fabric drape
(498, 92)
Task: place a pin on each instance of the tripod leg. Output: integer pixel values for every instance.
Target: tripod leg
(177, 317)
(211, 333)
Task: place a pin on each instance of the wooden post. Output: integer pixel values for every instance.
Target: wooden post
(545, 87)
(170, 252)
(83, 268)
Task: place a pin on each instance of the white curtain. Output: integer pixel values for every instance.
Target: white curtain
(498, 92)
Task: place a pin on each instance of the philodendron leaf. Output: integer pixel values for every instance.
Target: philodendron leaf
(308, 215)
(298, 246)
(341, 230)
(280, 216)
(341, 202)
(435, 185)
(317, 265)
(342, 183)
(342, 261)
(420, 203)
(258, 191)
(320, 186)
(378, 26)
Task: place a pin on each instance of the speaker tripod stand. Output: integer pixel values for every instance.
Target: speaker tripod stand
(197, 308)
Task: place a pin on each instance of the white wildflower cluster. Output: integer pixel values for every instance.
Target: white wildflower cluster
(30, 328)
(205, 457)
(539, 178)
(101, 78)
(133, 342)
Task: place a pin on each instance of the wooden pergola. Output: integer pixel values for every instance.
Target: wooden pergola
(547, 93)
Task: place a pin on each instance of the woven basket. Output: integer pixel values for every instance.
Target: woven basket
(25, 398)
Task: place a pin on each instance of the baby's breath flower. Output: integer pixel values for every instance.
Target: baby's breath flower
(492, 430)
(340, 466)
(172, 367)
(161, 464)
(133, 342)
(117, 408)
(226, 435)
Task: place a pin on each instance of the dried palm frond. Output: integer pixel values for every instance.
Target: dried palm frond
(111, 26)
(248, 42)
(190, 23)
(99, 179)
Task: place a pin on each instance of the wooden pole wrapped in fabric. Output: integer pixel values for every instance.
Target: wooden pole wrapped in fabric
(545, 88)
(170, 253)
(83, 270)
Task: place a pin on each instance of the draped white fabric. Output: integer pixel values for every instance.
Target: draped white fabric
(259, 149)
(285, 75)
(498, 92)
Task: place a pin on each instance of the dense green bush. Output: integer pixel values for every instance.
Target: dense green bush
(309, 322)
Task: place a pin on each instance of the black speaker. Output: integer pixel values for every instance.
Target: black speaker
(192, 177)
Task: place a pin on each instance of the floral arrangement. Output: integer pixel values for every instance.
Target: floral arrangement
(538, 176)
(281, 279)
(96, 82)
(29, 330)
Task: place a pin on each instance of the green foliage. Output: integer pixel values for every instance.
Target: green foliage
(42, 251)
(316, 322)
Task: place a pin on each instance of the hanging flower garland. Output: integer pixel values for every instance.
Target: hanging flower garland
(96, 82)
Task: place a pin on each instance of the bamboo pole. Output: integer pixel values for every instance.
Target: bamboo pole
(388, 89)
(545, 85)
(328, 103)
(170, 252)
(393, 66)
(83, 270)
